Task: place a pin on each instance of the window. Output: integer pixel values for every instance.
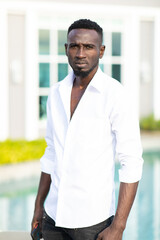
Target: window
(111, 63)
(52, 63)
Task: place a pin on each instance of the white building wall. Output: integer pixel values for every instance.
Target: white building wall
(16, 46)
(131, 58)
(4, 86)
(156, 86)
(31, 77)
(146, 67)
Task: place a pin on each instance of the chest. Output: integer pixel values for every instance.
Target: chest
(76, 95)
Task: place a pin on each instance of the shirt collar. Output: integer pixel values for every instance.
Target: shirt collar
(96, 81)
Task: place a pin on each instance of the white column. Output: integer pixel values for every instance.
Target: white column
(131, 58)
(4, 85)
(156, 83)
(31, 78)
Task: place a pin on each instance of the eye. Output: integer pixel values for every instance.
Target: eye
(89, 46)
(73, 46)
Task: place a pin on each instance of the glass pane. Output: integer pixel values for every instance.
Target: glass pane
(116, 72)
(116, 44)
(62, 39)
(44, 42)
(44, 69)
(42, 107)
(101, 66)
(62, 71)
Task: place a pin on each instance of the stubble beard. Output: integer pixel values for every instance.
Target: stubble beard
(80, 73)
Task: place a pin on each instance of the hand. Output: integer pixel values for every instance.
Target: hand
(110, 233)
(37, 218)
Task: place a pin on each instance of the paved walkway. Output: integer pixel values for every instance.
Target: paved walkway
(19, 171)
(15, 236)
(150, 141)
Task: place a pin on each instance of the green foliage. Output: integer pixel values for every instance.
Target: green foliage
(21, 150)
(149, 123)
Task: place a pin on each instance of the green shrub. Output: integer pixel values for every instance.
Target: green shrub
(149, 123)
(19, 151)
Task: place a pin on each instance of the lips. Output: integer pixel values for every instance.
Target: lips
(79, 63)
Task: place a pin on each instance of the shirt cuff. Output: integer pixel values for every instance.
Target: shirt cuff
(46, 165)
(132, 173)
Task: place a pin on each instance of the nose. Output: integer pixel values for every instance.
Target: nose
(80, 52)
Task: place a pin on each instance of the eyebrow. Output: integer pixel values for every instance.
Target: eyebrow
(84, 44)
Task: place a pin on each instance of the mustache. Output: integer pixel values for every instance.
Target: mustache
(80, 60)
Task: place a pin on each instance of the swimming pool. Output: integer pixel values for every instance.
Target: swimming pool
(17, 203)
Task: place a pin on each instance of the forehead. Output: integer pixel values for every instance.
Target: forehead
(83, 36)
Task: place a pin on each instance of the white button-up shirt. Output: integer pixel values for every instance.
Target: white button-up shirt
(80, 153)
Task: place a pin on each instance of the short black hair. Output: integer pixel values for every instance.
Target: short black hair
(86, 24)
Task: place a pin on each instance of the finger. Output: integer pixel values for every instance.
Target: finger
(34, 224)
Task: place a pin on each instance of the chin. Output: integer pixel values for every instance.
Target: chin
(81, 72)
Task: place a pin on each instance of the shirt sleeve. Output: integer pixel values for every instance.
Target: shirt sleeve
(125, 126)
(47, 160)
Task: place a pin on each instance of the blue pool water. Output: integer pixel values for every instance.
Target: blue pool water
(17, 203)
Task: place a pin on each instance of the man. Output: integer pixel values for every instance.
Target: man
(89, 120)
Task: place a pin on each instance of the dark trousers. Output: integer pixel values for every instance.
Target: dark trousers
(51, 232)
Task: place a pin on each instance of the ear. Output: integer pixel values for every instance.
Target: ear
(66, 46)
(102, 49)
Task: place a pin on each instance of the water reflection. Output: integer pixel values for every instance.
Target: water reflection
(144, 220)
(17, 203)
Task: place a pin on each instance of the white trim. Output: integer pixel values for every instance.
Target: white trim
(131, 58)
(43, 91)
(4, 85)
(59, 8)
(156, 84)
(31, 83)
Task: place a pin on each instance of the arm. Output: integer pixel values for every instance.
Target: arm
(125, 126)
(47, 165)
(127, 194)
(44, 185)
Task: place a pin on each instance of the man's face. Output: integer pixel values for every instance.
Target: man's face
(83, 50)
